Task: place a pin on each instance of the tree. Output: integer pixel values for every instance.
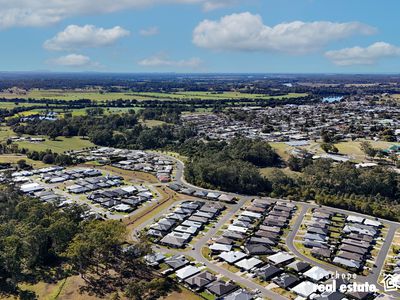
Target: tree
(294, 163)
(95, 247)
(48, 158)
(22, 164)
(53, 134)
(367, 148)
(328, 147)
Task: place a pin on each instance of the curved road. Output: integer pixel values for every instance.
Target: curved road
(372, 278)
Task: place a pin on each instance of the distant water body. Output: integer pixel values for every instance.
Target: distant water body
(332, 99)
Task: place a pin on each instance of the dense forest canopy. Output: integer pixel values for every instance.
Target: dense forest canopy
(38, 239)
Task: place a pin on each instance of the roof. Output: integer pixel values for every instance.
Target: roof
(315, 237)
(224, 240)
(187, 272)
(258, 249)
(268, 272)
(298, 266)
(325, 253)
(226, 198)
(233, 235)
(304, 289)
(220, 247)
(372, 223)
(213, 195)
(186, 229)
(354, 219)
(232, 256)
(317, 273)
(177, 261)
(286, 280)
(31, 187)
(262, 240)
(154, 258)
(239, 295)
(237, 228)
(331, 296)
(279, 258)
(200, 280)
(347, 262)
(251, 214)
(221, 288)
(175, 239)
(248, 263)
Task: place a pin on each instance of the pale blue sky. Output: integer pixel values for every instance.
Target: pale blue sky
(267, 36)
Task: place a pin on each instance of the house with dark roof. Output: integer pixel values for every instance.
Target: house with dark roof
(239, 295)
(315, 244)
(267, 272)
(356, 243)
(272, 222)
(362, 295)
(266, 234)
(298, 266)
(331, 296)
(200, 280)
(220, 288)
(321, 253)
(350, 256)
(262, 240)
(258, 249)
(317, 230)
(354, 249)
(286, 280)
(233, 235)
(175, 239)
(177, 261)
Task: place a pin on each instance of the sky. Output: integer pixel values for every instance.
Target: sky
(200, 36)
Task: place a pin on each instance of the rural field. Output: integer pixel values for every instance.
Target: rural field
(60, 145)
(349, 148)
(97, 96)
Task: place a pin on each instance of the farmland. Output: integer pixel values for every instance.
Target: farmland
(93, 95)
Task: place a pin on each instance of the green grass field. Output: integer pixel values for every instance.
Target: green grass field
(269, 171)
(5, 133)
(11, 105)
(60, 145)
(97, 96)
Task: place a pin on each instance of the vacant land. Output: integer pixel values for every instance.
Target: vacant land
(184, 294)
(13, 159)
(5, 133)
(60, 145)
(11, 105)
(349, 148)
(353, 148)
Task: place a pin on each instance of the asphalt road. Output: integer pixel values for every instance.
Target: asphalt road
(373, 276)
(196, 254)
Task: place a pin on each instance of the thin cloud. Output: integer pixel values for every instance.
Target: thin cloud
(149, 31)
(363, 56)
(74, 61)
(164, 61)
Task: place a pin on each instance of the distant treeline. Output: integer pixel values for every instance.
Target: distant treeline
(374, 191)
